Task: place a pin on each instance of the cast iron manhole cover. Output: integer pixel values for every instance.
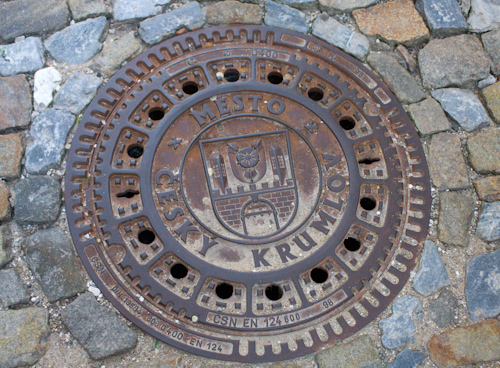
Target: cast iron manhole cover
(247, 193)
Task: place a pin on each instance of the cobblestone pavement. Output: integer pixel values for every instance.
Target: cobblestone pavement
(441, 58)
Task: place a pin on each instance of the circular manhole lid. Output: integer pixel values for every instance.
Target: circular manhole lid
(247, 193)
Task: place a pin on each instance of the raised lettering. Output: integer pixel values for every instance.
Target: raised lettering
(159, 174)
(321, 224)
(207, 244)
(336, 183)
(331, 160)
(171, 216)
(255, 99)
(336, 205)
(301, 244)
(184, 228)
(222, 106)
(169, 196)
(271, 106)
(200, 116)
(258, 257)
(238, 100)
(284, 252)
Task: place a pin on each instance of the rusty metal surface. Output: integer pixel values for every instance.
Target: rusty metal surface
(247, 193)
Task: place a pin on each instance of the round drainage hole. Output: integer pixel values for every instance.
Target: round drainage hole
(275, 77)
(156, 114)
(352, 244)
(315, 94)
(179, 271)
(274, 292)
(190, 88)
(347, 123)
(319, 275)
(146, 236)
(368, 203)
(135, 151)
(224, 290)
(231, 75)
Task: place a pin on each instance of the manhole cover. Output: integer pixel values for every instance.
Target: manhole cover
(247, 193)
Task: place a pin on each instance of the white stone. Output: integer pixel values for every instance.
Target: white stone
(484, 16)
(46, 82)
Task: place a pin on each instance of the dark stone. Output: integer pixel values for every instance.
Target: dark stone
(399, 328)
(37, 200)
(397, 78)
(283, 16)
(23, 336)
(491, 42)
(15, 102)
(77, 43)
(441, 310)
(431, 275)
(13, 291)
(5, 245)
(77, 92)
(453, 62)
(488, 226)
(27, 17)
(53, 261)
(98, 330)
(26, 56)
(443, 17)
(407, 359)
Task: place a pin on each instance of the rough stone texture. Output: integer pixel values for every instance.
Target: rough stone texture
(156, 29)
(46, 81)
(337, 34)
(5, 210)
(484, 151)
(13, 291)
(491, 42)
(5, 245)
(113, 54)
(98, 330)
(491, 79)
(283, 16)
(482, 285)
(37, 200)
(399, 328)
(11, 155)
(488, 226)
(484, 15)
(407, 359)
(432, 275)
(464, 107)
(453, 62)
(23, 336)
(233, 12)
(26, 17)
(344, 6)
(83, 9)
(491, 95)
(455, 215)
(446, 163)
(15, 102)
(394, 22)
(52, 259)
(137, 9)
(429, 117)
(441, 310)
(77, 92)
(357, 353)
(464, 345)
(488, 189)
(443, 17)
(299, 4)
(25, 56)
(77, 43)
(396, 77)
(47, 139)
